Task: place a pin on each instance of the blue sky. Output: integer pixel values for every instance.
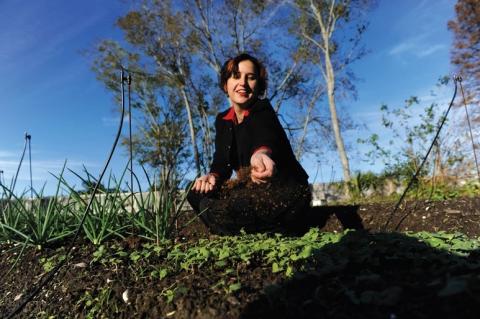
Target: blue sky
(48, 89)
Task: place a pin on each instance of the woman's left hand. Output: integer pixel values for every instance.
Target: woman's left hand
(263, 167)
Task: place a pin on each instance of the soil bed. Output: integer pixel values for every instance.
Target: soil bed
(359, 274)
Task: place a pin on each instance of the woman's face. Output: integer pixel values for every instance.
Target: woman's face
(241, 86)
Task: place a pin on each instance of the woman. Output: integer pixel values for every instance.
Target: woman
(249, 137)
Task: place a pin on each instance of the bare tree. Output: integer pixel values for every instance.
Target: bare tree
(319, 22)
(466, 45)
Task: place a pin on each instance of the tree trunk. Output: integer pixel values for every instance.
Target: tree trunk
(330, 77)
(192, 131)
(326, 28)
(193, 137)
(437, 164)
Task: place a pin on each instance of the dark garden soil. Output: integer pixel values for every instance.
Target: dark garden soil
(367, 274)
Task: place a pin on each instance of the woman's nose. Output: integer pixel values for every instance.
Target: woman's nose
(244, 80)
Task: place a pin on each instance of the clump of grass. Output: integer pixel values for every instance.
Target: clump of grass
(45, 220)
(158, 209)
(38, 221)
(107, 213)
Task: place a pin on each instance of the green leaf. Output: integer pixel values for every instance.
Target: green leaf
(163, 273)
(204, 252)
(122, 253)
(306, 252)
(135, 256)
(289, 271)
(276, 268)
(224, 253)
(169, 294)
(234, 287)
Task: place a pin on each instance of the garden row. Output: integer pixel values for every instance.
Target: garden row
(46, 221)
(343, 275)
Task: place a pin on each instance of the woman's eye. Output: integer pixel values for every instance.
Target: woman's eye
(252, 77)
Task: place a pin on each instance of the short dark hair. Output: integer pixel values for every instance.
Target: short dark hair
(231, 66)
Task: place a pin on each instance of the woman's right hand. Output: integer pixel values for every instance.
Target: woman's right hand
(263, 167)
(205, 183)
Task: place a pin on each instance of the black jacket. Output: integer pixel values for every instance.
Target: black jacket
(235, 144)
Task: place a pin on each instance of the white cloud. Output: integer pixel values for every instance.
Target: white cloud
(426, 16)
(420, 29)
(417, 46)
(430, 50)
(402, 47)
(6, 154)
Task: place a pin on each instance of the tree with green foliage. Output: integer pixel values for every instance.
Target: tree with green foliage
(181, 46)
(159, 140)
(159, 35)
(333, 30)
(408, 133)
(159, 116)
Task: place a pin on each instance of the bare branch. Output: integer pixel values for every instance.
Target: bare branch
(285, 80)
(316, 95)
(315, 42)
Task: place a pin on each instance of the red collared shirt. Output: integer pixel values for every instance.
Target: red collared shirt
(232, 116)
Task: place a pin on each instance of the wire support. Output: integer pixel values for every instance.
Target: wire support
(420, 167)
(469, 127)
(29, 137)
(130, 135)
(14, 182)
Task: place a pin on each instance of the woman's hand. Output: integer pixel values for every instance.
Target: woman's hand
(205, 183)
(262, 167)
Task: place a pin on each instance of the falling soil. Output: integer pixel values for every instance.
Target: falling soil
(368, 274)
(274, 206)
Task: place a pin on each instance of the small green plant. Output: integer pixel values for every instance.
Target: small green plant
(173, 291)
(99, 253)
(227, 287)
(456, 243)
(107, 215)
(158, 209)
(159, 273)
(99, 305)
(11, 222)
(280, 253)
(37, 222)
(48, 263)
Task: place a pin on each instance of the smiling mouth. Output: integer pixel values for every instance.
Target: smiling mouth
(242, 93)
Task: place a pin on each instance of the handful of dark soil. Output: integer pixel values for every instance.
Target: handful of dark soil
(242, 179)
(241, 198)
